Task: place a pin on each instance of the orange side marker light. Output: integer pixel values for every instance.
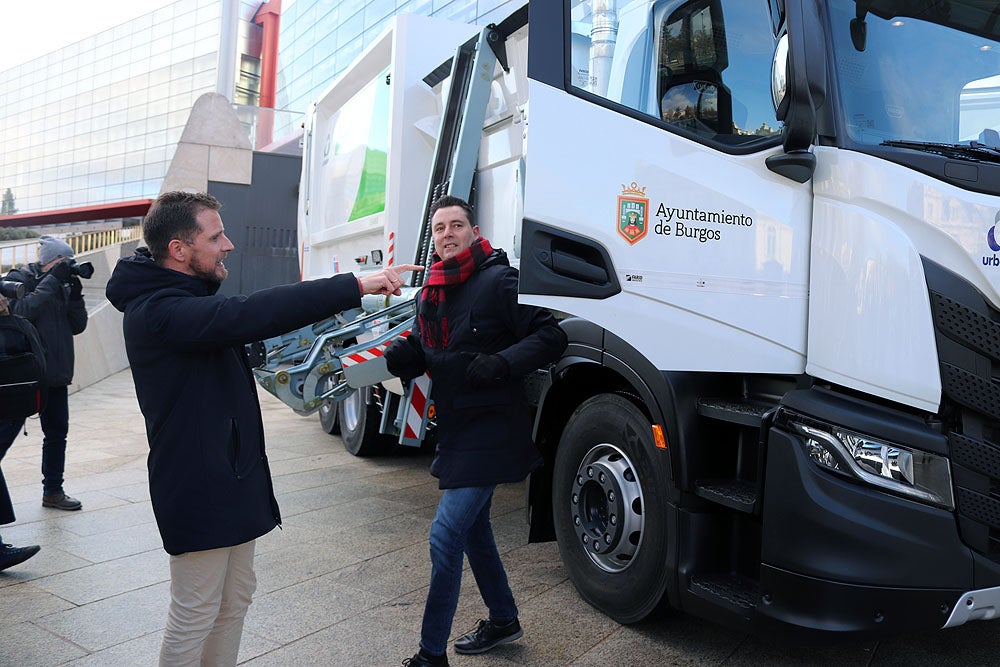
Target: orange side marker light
(659, 439)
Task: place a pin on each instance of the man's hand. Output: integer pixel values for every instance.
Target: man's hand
(386, 281)
(75, 287)
(4, 306)
(61, 270)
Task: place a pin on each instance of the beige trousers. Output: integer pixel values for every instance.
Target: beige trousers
(210, 592)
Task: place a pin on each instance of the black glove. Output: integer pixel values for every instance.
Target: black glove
(75, 287)
(486, 369)
(404, 358)
(62, 271)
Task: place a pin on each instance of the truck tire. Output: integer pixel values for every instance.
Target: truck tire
(328, 417)
(609, 493)
(359, 423)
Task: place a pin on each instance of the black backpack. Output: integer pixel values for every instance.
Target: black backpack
(23, 387)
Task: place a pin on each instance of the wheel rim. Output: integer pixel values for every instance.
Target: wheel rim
(607, 508)
(352, 411)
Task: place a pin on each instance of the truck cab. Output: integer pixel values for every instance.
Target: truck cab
(770, 227)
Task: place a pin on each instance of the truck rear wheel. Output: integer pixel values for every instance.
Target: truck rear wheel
(359, 423)
(328, 417)
(608, 497)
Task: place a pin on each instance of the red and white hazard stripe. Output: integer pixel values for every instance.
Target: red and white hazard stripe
(417, 408)
(366, 355)
(392, 249)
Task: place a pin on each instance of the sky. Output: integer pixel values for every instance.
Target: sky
(36, 27)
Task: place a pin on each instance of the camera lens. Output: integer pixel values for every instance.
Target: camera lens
(11, 289)
(83, 269)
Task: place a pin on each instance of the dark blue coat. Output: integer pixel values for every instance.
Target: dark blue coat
(484, 435)
(208, 475)
(57, 317)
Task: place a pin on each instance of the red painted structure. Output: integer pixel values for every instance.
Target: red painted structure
(268, 16)
(125, 209)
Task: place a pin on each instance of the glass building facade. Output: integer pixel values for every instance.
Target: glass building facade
(320, 38)
(98, 121)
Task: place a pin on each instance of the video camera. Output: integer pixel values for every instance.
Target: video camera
(13, 289)
(83, 269)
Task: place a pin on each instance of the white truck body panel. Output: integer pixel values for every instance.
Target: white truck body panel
(873, 221)
(700, 291)
(358, 117)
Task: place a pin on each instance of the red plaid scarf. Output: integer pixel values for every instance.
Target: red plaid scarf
(447, 273)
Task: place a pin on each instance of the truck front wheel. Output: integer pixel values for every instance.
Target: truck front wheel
(608, 504)
(359, 424)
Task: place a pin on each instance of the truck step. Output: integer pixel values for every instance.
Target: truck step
(732, 590)
(744, 412)
(736, 494)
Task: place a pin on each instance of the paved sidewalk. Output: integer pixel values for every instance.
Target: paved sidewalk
(343, 583)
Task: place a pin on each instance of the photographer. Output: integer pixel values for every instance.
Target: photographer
(53, 302)
(9, 554)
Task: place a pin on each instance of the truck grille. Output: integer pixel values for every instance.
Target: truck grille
(968, 341)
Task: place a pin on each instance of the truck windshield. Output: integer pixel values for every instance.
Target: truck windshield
(917, 72)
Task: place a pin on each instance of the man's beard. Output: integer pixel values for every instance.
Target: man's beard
(212, 276)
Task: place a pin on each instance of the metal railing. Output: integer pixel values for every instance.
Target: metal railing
(16, 253)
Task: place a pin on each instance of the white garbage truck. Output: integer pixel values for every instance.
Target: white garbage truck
(768, 228)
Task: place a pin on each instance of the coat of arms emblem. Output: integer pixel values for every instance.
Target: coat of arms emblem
(633, 208)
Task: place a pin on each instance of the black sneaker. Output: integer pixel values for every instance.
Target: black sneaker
(11, 555)
(487, 635)
(420, 660)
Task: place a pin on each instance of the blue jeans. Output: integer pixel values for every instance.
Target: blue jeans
(462, 525)
(55, 426)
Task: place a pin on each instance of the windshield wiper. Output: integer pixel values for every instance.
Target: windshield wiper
(972, 150)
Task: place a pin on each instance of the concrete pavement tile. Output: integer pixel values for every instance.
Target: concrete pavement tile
(47, 562)
(679, 639)
(114, 620)
(94, 522)
(754, 652)
(110, 578)
(45, 533)
(132, 493)
(389, 575)
(307, 500)
(356, 641)
(293, 564)
(351, 515)
(21, 644)
(115, 543)
(32, 510)
(303, 463)
(144, 650)
(27, 602)
(290, 613)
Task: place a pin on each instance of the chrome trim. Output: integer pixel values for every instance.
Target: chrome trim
(981, 605)
(849, 465)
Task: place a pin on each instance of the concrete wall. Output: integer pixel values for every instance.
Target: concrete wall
(100, 349)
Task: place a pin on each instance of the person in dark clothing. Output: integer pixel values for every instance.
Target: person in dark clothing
(9, 554)
(53, 303)
(477, 343)
(209, 480)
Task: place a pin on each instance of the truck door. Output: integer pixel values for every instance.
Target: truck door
(648, 207)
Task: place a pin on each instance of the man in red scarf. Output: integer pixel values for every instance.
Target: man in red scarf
(477, 343)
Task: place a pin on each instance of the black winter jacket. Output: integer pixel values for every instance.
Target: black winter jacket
(56, 315)
(208, 474)
(484, 435)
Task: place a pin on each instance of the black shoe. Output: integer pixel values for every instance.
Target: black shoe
(420, 660)
(11, 555)
(487, 635)
(61, 501)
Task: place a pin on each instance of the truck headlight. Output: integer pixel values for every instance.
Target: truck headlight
(902, 470)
